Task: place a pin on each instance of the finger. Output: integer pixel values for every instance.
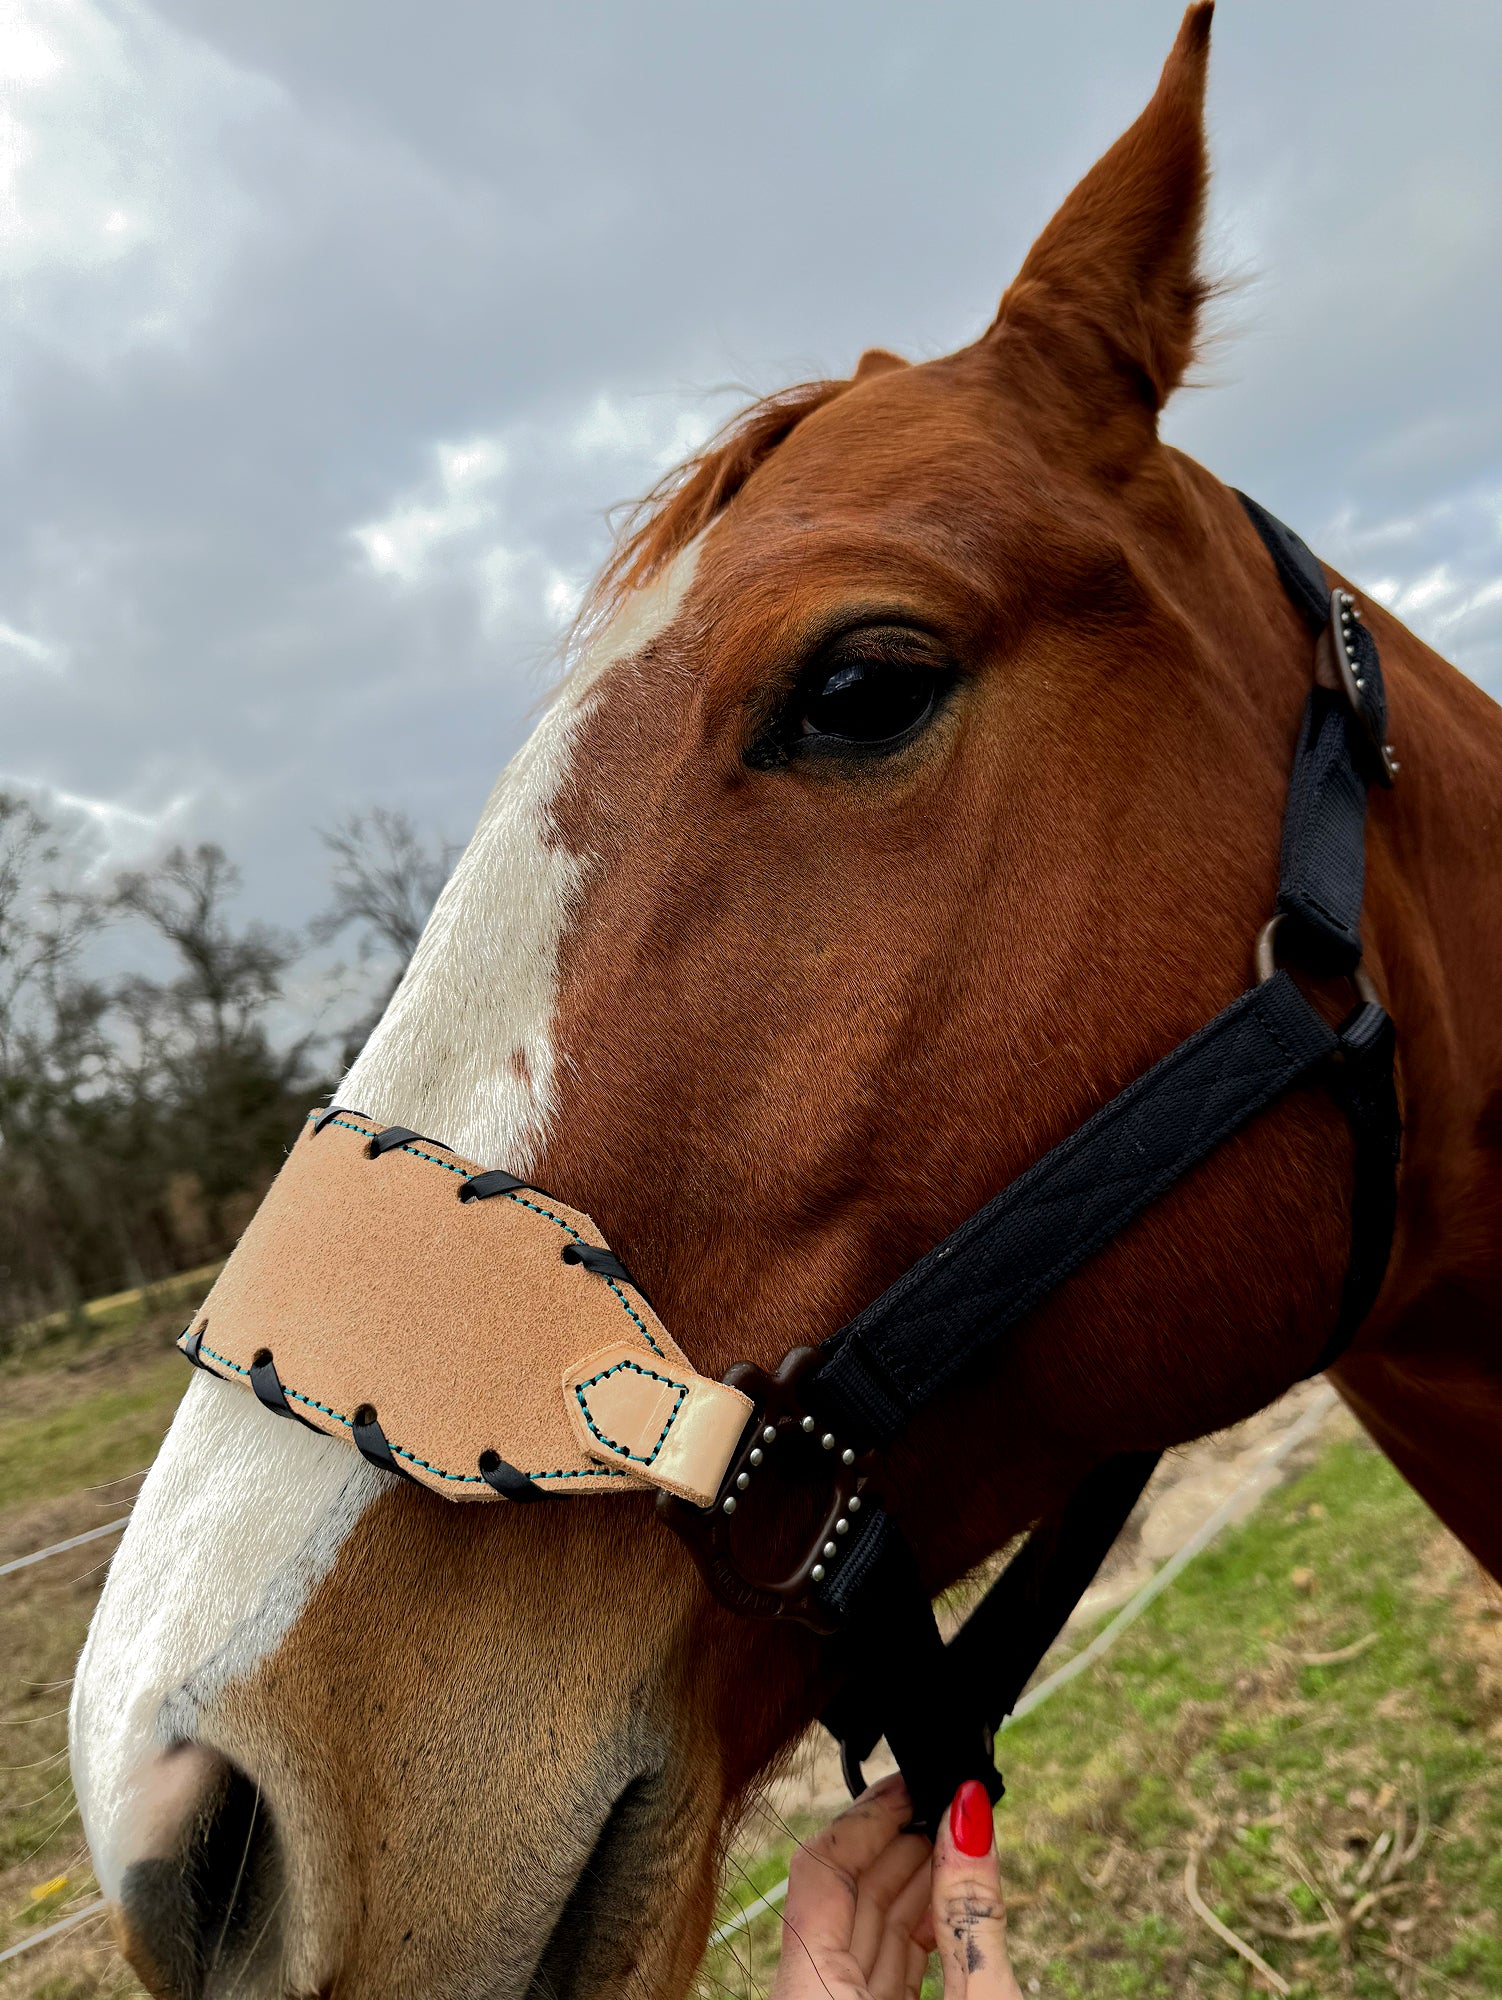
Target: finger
(923, 1930)
(969, 1918)
(824, 1873)
(878, 1889)
(889, 1977)
(917, 1971)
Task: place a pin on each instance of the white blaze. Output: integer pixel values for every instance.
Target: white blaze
(243, 1512)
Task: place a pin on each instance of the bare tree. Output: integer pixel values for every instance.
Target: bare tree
(42, 926)
(221, 1094)
(386, 879)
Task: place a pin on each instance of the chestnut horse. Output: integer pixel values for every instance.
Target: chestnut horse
(919, 784)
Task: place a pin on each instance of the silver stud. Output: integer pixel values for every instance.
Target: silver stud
(807, 1424)
(769, 1435)
(817, 1572)
(743, 1480)
(831, 1549)
(842, 1526)
(828, 1440)
(847, 1456)
(729, 1504)
(757, 1455)
(854, 1503)
(1360, 682)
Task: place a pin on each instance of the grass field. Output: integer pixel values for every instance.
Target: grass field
(1307, 1726)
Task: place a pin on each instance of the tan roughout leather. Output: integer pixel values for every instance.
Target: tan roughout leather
(371, 1283)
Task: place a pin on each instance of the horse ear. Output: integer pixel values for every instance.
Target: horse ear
(876, 361)
(1110, 293)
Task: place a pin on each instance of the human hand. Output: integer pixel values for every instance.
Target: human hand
(867, 1903)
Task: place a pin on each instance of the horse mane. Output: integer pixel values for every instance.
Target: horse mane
(684, 501)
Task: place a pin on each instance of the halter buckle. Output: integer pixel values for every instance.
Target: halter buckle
(1354, 682)
(785, 1440)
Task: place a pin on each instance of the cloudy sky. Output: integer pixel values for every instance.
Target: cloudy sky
(334, 327)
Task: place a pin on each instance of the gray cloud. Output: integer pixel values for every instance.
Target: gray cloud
(334, 330)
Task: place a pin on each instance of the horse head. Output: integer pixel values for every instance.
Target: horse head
(916, 782)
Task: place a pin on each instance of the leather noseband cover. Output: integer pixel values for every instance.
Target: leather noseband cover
(459, 1327)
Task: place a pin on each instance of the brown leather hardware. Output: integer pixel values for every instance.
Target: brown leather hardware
(786, 1447)
(366, 1286)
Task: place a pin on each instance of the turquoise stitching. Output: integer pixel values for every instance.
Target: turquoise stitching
(460, 1478)
(636, 1368)
(567, 1228)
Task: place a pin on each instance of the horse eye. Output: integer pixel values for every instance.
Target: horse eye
(870, 703)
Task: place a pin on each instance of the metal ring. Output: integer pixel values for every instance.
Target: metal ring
(1265, 958)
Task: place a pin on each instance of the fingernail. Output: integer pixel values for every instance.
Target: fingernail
(970, 1823)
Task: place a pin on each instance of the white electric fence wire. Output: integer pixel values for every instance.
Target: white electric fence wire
(52, 1930)
(61, 1548)
(8, 1569)
(1239, 1498)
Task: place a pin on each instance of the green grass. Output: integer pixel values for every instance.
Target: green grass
(82, 1412)
(92, 1438)
(1207, 1726)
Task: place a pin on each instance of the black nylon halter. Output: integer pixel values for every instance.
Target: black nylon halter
(939, 1705)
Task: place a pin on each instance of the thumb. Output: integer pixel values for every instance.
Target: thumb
(970, 1922)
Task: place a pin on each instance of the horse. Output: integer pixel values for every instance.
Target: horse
(916, 782)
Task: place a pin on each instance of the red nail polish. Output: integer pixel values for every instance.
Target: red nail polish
(970, 1824)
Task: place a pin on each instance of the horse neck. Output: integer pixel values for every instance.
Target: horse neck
(1434, 941)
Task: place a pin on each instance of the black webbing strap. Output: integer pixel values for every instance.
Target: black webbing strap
(994, 1654)
(1322, 870)
(954, 1303)
(1363, 1084)
(1323, 864)
(1298, 567)
(904, 1676)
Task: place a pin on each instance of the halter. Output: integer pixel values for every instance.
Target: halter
(469, 1332)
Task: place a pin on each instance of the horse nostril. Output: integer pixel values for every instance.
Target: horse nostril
(199, 1898)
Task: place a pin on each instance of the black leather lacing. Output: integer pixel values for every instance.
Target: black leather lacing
(604, 1263)
(269, 1392)
(370, 1442)
(507, 1481)
(391, 1138)
(480, 1187)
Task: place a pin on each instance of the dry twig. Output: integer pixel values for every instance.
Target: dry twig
(1226, 1935)
(1342, 1653)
